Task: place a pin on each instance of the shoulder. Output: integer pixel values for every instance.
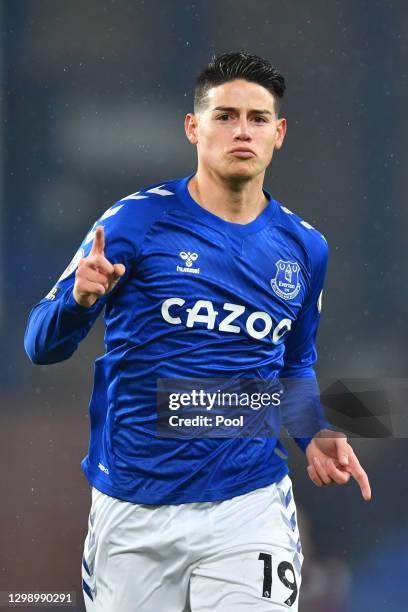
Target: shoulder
(312, 241)
(133, 214)
(147, 203)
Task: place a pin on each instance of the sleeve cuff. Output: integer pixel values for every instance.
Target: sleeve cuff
(302, 443)
(305, 441)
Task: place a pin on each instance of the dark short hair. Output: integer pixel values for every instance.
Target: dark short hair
(231, 66)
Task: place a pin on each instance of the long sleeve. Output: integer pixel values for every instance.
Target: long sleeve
(55, 328)
(302, 412)
(57, 324)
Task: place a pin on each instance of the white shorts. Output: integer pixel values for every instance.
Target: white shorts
(229, 556)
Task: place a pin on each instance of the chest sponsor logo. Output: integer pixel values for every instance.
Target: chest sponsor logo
(189, 259)
(258, 324)
(286, 284)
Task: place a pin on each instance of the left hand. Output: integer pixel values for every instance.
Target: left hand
(332, 460)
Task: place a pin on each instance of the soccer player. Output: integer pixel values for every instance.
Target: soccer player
(205, 276)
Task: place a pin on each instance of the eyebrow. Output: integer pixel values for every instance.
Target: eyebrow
(259, 111)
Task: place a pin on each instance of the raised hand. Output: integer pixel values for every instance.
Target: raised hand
(95, 275)
(332, 460)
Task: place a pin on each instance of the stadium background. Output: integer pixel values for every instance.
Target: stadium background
(93, 99)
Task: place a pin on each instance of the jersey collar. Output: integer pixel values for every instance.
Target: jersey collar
(217, 222)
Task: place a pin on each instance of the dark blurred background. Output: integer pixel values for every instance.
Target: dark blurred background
(94, 93)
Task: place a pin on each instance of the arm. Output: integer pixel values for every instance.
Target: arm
(302, 413)
(61, 320)
(55, 329)
(330, 457)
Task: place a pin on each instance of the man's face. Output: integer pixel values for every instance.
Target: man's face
(237, 131)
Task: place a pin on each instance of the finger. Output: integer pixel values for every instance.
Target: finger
(97, 262)
(313, 476)
(342, 449)
(86, 287)
(98, 245)
(360, 475)
(338, 475)
(321, 471)
(87, 273)
(95, 276)
(118, 271)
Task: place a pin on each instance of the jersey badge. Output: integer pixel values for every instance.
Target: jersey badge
(286, 283)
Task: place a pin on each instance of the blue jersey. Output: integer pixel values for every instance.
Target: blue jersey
(201, 298)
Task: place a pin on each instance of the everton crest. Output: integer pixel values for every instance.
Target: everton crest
(286, 283)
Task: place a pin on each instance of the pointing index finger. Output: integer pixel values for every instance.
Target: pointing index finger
(98, 245)
(361, 477)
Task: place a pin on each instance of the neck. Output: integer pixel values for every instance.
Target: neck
(232, 200)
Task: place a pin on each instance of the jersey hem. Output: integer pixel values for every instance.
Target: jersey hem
(212, 495)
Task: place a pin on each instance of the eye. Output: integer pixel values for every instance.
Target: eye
(224, 117)
(260, 119)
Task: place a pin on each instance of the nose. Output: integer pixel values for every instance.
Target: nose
(242, 131)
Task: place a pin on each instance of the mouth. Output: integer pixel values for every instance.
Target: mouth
(242, 153)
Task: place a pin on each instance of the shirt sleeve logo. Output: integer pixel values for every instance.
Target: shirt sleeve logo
(51, 295)
(286, 283)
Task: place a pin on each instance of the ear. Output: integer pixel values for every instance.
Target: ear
(190, 126)
(280, 133)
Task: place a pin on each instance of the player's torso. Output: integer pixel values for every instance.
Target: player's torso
(203, 298)
(200, 289)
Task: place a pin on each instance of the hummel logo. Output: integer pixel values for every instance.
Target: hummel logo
(189, 258)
